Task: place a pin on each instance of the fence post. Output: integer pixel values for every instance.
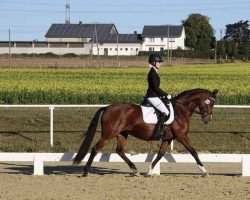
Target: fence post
(51, 124)
(38, 165)
(157, 169)
(172, 146)
(246, 165)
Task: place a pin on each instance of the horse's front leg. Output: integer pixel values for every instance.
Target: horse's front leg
(186, 143)
(162, 150)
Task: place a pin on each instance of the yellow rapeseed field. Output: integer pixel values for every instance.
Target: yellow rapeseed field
(110, 85)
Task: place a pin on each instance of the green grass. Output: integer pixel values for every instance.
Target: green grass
(110, 85)
(27, 130)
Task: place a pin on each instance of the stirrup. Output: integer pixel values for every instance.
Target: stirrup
(163, 134)
(160, 137)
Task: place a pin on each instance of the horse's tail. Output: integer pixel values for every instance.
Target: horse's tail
(89, 138)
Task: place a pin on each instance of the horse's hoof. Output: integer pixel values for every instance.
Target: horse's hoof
(148, 175)
(81, 176)
(85, 175)
(205, 175)
(136, 174)
(151, 175)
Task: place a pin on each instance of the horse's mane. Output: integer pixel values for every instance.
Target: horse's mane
(189, 92)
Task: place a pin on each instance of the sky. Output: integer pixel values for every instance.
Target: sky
(29, 20)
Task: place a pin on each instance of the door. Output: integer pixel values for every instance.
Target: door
(106, 51)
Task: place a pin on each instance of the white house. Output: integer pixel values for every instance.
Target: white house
(160, 38)
(98, 38)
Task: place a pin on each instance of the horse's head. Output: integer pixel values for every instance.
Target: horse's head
(201, 98)
(206, 105)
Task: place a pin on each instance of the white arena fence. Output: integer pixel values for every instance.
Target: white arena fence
(39, 158)
(52, 107)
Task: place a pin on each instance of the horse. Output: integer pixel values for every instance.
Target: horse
(122, 119)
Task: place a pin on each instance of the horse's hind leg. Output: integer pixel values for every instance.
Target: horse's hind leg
(187, 145)
(120, 150)
(100, 144)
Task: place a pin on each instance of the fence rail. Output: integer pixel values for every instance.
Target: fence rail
(38, 159)
(52, 107)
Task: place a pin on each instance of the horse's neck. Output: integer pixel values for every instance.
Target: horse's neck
(190, 104)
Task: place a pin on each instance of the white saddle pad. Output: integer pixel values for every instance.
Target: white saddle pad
(150, 117)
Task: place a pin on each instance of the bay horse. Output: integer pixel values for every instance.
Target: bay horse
(120, 120)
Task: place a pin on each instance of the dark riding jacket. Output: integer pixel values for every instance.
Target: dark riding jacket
(154, 85)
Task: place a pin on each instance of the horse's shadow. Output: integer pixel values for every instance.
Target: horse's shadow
(12, 168)
(27, 169)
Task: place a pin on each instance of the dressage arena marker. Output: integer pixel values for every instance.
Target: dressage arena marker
(38, 159)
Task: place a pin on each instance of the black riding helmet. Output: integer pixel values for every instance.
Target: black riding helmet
(155, 58)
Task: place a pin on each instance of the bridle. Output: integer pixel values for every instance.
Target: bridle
(203, 112)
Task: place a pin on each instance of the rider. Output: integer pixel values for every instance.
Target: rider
(155, 95)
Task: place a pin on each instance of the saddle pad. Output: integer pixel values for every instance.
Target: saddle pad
(150, 117)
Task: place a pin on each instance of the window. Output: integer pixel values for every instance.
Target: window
(151, 39)
(172, 40)
(120, 49)
(151, 48)
(162, 39)
(110, 49)
(162, 49)
(126, 49)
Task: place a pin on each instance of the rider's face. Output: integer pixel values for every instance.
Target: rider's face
(158, 65)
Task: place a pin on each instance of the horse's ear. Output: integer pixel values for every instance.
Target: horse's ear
(215, 92)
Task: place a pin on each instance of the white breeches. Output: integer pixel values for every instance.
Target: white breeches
(157, 103)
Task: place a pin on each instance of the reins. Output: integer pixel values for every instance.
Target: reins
(195, 111)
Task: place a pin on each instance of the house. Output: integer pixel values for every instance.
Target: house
(162, 37)
(102, 39)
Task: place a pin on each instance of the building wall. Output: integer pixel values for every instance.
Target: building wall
(41, 50)
(65, 48)
(123, 49)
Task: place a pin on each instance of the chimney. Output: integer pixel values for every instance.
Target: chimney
(80, 22)
(135, 32)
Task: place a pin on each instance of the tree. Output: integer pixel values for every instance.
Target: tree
(199, 32)
(231, 49)
(244, 50)
(221, 49)
(237, 32)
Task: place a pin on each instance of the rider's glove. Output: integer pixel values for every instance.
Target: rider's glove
(169, 96)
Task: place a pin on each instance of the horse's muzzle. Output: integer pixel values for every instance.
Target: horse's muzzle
(206, 119)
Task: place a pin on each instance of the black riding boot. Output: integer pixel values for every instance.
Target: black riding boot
(158, 128)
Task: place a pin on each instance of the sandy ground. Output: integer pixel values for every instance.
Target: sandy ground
(113, 181)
